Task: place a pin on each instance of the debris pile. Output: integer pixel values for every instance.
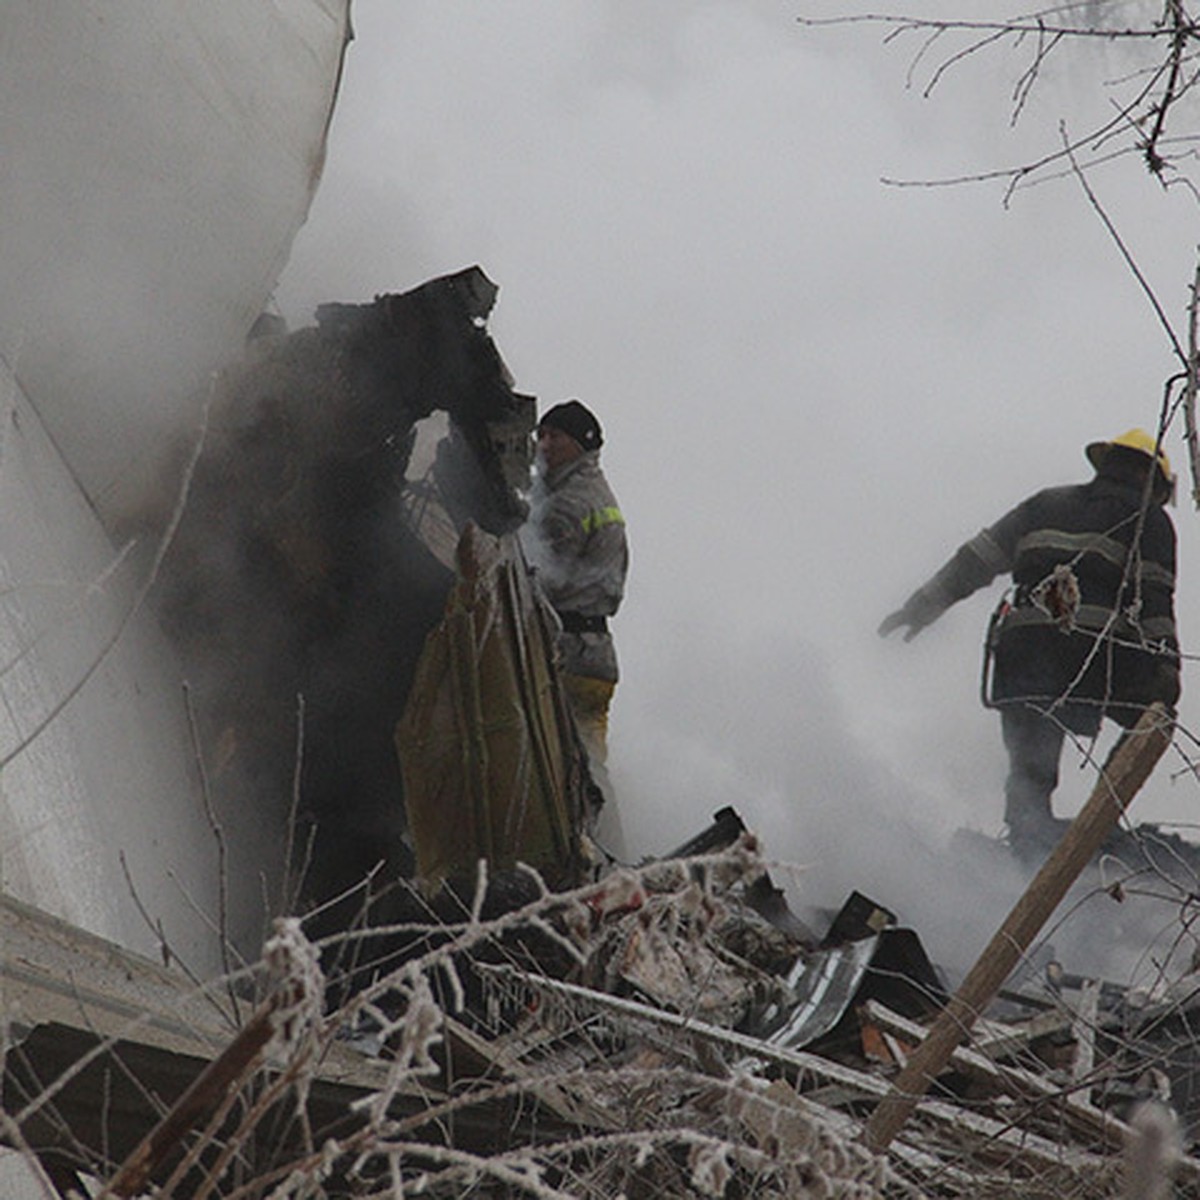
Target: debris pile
(677, 1040)
(303, 571)
(504, 1014)
(652, 1033)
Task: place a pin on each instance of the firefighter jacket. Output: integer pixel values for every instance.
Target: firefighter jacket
(575, 540)
(1110, 647)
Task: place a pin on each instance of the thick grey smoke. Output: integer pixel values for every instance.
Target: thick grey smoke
(814, 387)
(137, 246)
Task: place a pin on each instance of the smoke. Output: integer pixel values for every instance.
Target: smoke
(831, 809)
(138, 249)
(814, 388)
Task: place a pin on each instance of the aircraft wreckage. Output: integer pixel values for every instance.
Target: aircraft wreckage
(371, 711)
(461, 994)
(369, 656)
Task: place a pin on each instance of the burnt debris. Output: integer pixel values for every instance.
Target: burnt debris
(297, 587)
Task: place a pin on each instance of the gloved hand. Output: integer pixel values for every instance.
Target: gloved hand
(908, 615)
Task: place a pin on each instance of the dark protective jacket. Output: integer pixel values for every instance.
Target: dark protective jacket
(1116, 653)
(575, 538)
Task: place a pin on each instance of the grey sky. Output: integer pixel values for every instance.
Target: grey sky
(814, 386)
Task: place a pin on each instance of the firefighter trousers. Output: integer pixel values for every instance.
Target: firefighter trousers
(1034, 743)
(589, 700)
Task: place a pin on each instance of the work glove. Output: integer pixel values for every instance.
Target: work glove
(915, 615)
(895, 620)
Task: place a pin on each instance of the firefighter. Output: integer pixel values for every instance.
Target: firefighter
(575, 539)
(1088, 630)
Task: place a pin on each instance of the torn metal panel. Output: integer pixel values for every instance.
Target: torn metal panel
(491, 764)
(437, 502)
(824, 986)
(889, 964)
(724, 829)
(859, 917)
(53, 973)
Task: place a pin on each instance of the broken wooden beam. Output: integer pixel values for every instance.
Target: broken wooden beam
(1127, 768)
(1079, 1118)
(1002, 1041)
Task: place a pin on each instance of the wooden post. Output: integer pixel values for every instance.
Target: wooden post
(1127, 768)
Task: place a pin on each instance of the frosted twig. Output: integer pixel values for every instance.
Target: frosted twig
(218, 833)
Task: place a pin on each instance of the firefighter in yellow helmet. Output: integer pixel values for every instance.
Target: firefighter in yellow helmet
(1089, 631)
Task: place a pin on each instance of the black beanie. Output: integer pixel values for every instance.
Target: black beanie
(577, 421)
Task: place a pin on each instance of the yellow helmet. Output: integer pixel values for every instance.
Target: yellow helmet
(1143, 443)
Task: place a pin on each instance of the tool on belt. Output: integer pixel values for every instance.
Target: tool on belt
(999, 614)
(1054, 600)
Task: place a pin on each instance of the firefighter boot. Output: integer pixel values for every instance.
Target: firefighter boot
(1033, 831)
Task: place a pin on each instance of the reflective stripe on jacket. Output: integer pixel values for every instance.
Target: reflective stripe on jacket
(1124, 562)
(575, 540)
